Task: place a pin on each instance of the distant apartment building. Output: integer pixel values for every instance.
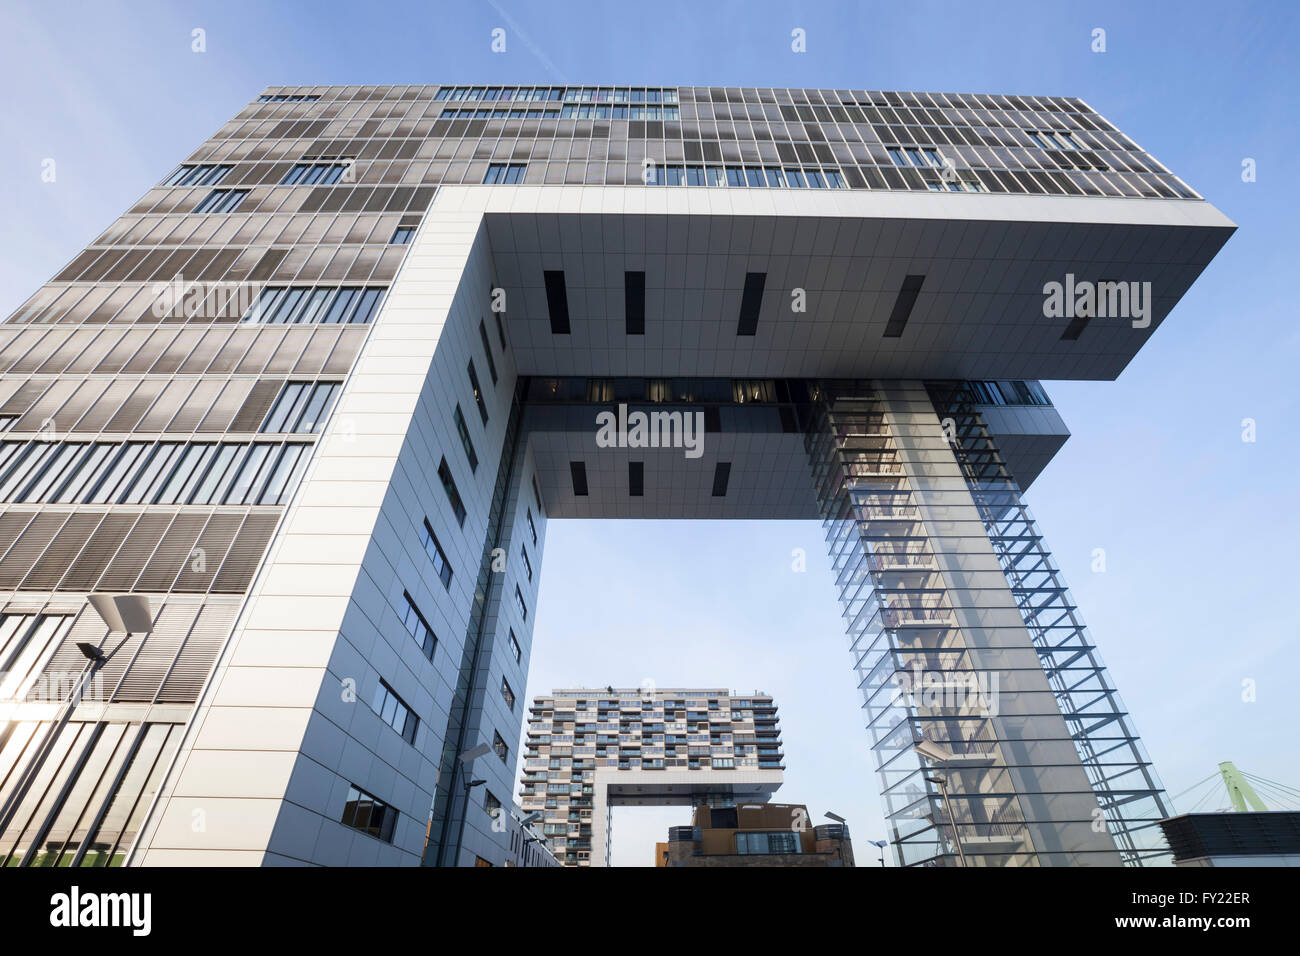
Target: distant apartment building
(590, 749)
(755, 834)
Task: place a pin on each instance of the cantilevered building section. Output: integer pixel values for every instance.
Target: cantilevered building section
(591, 749)
(317, 395)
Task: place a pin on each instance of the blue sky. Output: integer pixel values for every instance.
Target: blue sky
(1199, 527)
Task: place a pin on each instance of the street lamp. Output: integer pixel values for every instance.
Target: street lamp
(842, 822)
(128, 613)
(932, 751)
(121, 613)
(526, 823)
(463, 763)
(880, 845)
(940, 754)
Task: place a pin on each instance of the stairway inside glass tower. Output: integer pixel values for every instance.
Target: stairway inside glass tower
(963, 634)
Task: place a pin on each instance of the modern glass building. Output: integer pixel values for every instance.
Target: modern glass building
(316, 396)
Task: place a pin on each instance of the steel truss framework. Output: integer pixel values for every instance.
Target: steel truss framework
(901, 623)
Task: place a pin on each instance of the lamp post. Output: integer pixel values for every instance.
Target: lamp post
(525, 825)
(121, 613)
(463, 763)
(842, 822)
(880, 845)
(932, 751)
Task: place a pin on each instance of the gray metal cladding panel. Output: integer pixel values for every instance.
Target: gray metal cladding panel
(168, 666)
(196, 657)
(245, 554)
(134, 553)
(200, 566)
(27, 547)
(81, 551)
(175, 548)
(99, 549)
(61, 552)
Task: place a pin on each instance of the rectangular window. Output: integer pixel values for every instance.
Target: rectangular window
(537, 499)
(531, 527)
(636, 479)
(222, 200)
(315, 174)
(557, 301)
(519, 600)
(325, 305)
(402, 236)
(780, 841)
(394, 711)
(505, 173)
(453, 496)
(721, 477)
(528, 565)
(499, 745)
(903, 306)
(578, 474)
(501, 328)
(463, 430)
(369, 814)
(515, 648)
(169, 473)
(1058, 139)
(478, 392)
(634, 303)
(490, 803)
(751, 302)
(441, 566)
(301, 408)
(288, 98)
(508, 694)
(419, 628)
(198, 175)
(487, 350)
(27, 642)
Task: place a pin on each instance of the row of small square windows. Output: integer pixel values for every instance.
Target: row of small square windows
(678, 175)
(301, 174)
(793, 95)
(143, 472)
(570, 94)
(225, 201)
(569, 112)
